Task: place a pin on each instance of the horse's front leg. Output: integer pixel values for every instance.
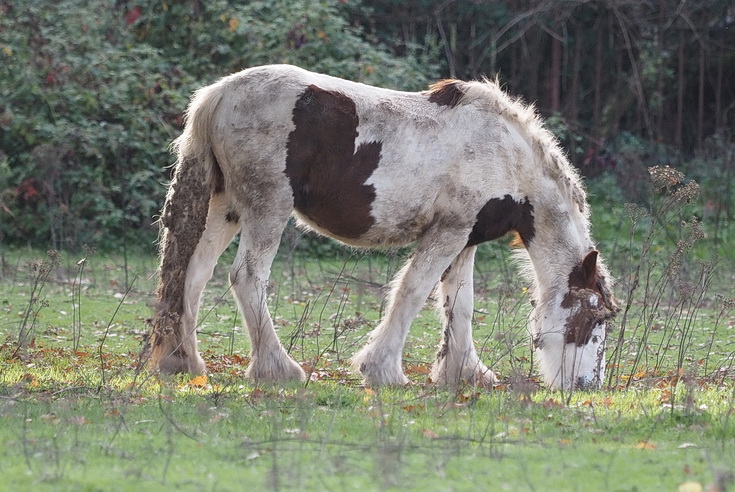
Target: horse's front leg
(380, 360)
(457, 361)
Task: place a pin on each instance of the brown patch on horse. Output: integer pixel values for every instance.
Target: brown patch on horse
(585, 284)
(326, 172)
(500, 216)
(447, 92)
(585, 275)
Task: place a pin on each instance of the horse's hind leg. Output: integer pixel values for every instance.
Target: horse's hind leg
(456, 361)
(180, 352)
(259, 242)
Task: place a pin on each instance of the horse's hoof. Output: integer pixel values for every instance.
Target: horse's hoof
(176, 364)
(275, 371)
(374, 376)
(470, 375)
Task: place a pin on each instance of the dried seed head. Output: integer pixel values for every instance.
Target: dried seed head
(727, 302)
(635, 212)
(665, 177)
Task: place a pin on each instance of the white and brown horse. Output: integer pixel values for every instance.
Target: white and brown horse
(446, 169)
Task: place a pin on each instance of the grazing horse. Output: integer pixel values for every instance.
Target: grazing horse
(447, 169)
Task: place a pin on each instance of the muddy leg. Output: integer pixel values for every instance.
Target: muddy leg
(456, 361)
(178, 351)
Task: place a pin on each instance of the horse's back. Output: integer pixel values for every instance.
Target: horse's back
(366, 165)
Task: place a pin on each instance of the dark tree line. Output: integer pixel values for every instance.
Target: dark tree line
(663, 70)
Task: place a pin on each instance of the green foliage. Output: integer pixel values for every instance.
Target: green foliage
(92, 94)
(714, 168)
(223, 36)
(86, 114)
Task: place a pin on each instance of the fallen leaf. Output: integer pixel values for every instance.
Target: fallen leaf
(430, 434)
(551, 403)
(645, 445)
(198, 381)
(665, 396)
(417, 369)
(79, 420)
(469, 396)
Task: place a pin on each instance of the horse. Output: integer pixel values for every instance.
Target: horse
(444, 169)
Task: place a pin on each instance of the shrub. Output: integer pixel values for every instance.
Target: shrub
(85, 114)
(92, 94)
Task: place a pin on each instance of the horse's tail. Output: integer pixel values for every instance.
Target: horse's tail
(196, 177)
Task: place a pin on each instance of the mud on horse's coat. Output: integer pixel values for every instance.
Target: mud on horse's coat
(446, 169)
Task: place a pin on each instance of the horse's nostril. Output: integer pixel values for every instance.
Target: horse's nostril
(587, 383)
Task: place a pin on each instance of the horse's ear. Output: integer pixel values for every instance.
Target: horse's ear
(589, 269)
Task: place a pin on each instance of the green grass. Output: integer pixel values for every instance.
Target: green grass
(76, 414)
(332, 437)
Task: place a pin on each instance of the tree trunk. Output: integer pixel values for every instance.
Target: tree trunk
(680, 94)
(703, 42)
(719, 119)
(574, 95)
(597, 131)
(555, 76)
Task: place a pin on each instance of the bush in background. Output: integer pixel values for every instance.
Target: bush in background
(92, 93)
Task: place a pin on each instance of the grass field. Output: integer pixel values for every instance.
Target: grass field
(76, 412)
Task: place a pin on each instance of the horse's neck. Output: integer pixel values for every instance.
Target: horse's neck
(560, 242)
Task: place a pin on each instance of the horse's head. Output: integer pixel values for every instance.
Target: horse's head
(571, 323)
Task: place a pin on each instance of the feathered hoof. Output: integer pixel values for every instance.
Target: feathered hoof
(275, 369)
(375, 378)
(176, 363)
(376, 372)
(469, 375)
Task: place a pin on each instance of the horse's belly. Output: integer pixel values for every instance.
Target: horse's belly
(398, 230)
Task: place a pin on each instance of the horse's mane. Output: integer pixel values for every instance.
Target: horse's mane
(453, 93)
(489, 94)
